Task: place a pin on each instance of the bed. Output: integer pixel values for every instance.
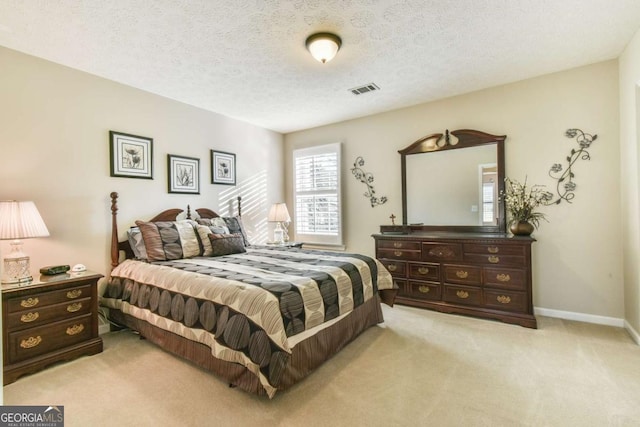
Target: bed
(260, 317)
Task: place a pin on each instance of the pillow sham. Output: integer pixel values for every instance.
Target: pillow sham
(217, 225)
(203, 233)
(227, 244)
(169, 240)
(134, 236)
(234, 223)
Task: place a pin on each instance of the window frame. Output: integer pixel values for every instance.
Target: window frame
(319, 238)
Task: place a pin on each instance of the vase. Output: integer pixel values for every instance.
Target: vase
(521, 228)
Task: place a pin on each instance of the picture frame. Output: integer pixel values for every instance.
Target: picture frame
(131, 155)
(223, 168)
(184, 174)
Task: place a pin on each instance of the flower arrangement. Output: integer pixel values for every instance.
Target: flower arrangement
(522, 201)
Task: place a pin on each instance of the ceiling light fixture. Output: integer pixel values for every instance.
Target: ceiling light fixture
(323, 46)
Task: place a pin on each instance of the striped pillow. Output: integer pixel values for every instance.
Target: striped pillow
(169, 240)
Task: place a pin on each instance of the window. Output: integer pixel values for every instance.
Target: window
(317, 216)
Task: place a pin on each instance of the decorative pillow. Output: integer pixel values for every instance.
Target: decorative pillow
(137, 243)
(227, 244)
(236, 227)
(168, 240)
(217, 225)
(203, 233)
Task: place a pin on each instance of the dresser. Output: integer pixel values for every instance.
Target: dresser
(484, 275)
(52, 319)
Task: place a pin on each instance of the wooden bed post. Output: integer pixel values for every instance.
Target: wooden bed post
(239, 206)
(115, 253)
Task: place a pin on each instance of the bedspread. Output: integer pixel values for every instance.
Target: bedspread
(249, 308)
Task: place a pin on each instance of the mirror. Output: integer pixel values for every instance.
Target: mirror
(452, 182)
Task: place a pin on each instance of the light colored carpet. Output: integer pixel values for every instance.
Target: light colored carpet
(418, 368)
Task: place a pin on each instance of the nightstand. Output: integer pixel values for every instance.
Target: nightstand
(49, 320)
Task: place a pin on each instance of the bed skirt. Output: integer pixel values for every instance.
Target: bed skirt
(306, 356)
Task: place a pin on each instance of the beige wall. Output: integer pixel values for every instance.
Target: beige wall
(630, 161)
(578, 257)
(55, 151)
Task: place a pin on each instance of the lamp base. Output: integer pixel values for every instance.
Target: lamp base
(17, 269)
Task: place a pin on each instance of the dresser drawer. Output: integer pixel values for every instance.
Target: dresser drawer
(424, 290)
(505, 300)
(48, 298)
(463, 274)
(493, 249)
(507, 260)
(396, 268)
(504, 278)
(424, 271)
(46, 314)
(440, 252)
(32, 342)
(410, 255)
(399, 244)
(401, 284)
(462, 295)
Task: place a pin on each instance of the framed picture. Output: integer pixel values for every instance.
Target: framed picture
(184, 174)
(223, 168)
(131, 155)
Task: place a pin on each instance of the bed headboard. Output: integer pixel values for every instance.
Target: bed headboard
(167, 215)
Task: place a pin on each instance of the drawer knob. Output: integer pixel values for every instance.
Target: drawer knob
(397, 244)
(493, 249)
(462, 274)
(29, 317)
(397, 253)
(75, 329)
(423, 270)
(503, 277)
(424, 289)
(392, 267)
(503, 299)
(493, 259)
(74, 293)
(31, 342)
(76, 306)
(29, 302)
(462, 294)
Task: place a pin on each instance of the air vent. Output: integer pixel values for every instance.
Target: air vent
(364, 89)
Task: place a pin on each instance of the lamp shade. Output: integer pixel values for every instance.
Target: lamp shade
(323, 46)
(20, 220)
(279, 213)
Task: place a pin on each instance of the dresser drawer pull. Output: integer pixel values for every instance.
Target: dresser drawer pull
(392, 267)
(76, 306)
(397, 244)
(397, 253)
(423, 270)
(442, 252)
(503, 299)
(462, 294)
(29, 317)
(503, 277)
(493, 259)
(424, 289)
(493, 249)
(75, 329)
(30, 302)
(462, 274)
(31, 342)
(74, 293)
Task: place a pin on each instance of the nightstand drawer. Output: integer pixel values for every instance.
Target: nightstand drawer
(48, 298)
(37, 341)
(46, 314)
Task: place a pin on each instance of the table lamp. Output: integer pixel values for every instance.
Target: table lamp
(279, 214)
(19, 220)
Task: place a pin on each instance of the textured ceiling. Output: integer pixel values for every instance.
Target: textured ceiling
(246, 58)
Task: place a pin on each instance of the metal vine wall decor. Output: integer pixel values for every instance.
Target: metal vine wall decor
(367, 178)
(565, 187)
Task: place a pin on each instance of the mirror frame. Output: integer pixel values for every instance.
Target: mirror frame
(466, 138)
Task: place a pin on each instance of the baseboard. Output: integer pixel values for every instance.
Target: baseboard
(580, 317)
(104, 329)
(634, 334)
